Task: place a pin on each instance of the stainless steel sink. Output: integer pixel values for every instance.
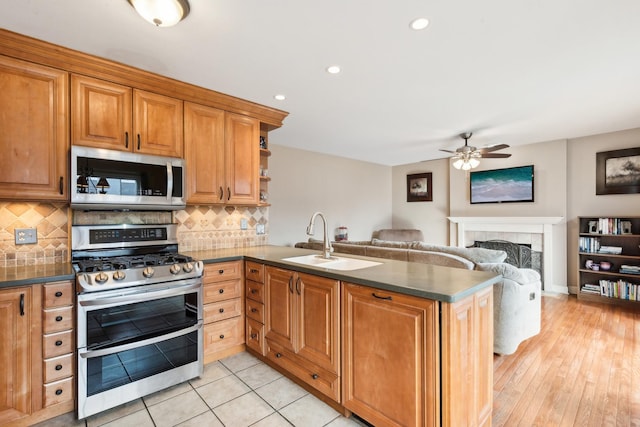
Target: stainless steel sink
(332, 263)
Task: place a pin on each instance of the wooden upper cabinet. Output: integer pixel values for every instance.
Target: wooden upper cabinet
(204, 153)
(34, 132)
(101, 114)
(117, 117)
(157, 124)
(242, 153)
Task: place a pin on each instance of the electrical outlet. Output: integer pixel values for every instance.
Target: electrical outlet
(259, 228)
(243, 224)
(25, 236)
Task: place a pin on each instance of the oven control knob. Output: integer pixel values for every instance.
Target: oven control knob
(175, 269)
(147, 272)
(101, 277)
(188, 267)
(119, 275)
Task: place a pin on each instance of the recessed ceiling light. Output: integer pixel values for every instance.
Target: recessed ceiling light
(280, 97)
(333, 69)
(419, 24)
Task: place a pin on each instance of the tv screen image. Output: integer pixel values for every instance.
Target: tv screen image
(502, 185)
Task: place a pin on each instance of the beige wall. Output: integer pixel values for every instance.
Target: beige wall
(430, 217)
(351, 193)
(581, 178)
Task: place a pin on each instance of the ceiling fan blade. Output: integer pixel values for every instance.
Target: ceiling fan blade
(493, 148)
(447, 151)
(494, 155)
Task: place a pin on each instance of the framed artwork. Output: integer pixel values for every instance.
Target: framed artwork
(618, 171)
(419, 187)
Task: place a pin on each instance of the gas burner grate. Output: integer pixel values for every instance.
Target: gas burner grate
(92, 265)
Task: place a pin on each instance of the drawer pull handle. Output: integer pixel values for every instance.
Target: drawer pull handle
(278, 355)
(222, 310)
(58, 294)
(315, 376)
(254, 310)
(221, 291)
(220, 271)
(379, 297)
(58, 392)
(221, 336)
(253, 336)
(58, 343)
(21, 304)
(253, 270)
(58, 367)
(58, 318)
(254, 291)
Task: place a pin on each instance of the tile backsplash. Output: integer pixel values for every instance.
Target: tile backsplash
(199, 228)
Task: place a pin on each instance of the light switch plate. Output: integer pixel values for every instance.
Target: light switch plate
(25, 236)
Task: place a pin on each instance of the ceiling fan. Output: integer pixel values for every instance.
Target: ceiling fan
(466, 157)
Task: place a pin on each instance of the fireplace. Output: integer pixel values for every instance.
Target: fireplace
(518, 254)
(545, 237)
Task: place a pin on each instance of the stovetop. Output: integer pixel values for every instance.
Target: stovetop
(107, 263)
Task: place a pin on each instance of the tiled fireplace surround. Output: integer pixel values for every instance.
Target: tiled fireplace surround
(199, 228)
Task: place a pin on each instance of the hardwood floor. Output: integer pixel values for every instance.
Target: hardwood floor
(583, 369)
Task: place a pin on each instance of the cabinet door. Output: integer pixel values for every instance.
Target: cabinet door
(467, 360)
(242, 151)
(100, 114)
(34, 132)
(157, 124)
(318, 320)
(204, 154)
(390, 357)
(280, 307)
(15, 372)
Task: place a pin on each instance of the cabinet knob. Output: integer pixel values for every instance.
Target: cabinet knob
(278, 355)
(58, 343)
(58, 318)
(58, 392)
(221, 310)
(315, 376)
(254, 310)
(58, 294)
(254, 291)
(58, 367)
(220, 271)
(253, 270)
(253, 336)
(221, 336)
(221, 291)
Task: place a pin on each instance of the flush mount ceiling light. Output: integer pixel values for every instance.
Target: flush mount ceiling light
(280, 97)
(333, 69)
(419, 24)
(161, 13)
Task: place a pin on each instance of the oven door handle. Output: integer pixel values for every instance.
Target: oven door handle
(88, 354)
(138, 296)
(169, 181)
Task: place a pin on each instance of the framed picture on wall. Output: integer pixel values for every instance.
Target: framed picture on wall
(419, 187)
(618, 171)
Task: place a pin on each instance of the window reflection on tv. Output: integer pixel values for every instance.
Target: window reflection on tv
(502, 185)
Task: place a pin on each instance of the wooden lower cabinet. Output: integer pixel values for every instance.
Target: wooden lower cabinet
(467, 360)
(390, 357)
(223, 310)
(302, 321)
(254, 302)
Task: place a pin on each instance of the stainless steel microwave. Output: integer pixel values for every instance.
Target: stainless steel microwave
(111, 179)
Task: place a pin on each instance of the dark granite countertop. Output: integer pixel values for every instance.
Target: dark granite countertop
(412, 278)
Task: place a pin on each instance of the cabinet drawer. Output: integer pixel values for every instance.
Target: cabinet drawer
(254, 291)
(57, 344)
(58, 294)
(222, 310)
(59, 391)
(58, 368)
(222, 271)
(328, 383)
(255, 336)
(254, 271)
(255, 310)
(57, 319)
(220, 291)
(223, 334)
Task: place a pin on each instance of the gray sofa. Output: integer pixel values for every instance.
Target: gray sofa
(516, 300)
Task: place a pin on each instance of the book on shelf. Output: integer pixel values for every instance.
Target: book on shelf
(620, 289)
(591, 288)
(589, 244)
(614, 250)
(630, 269)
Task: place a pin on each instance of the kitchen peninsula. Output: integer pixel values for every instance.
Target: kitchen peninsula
(398, 343)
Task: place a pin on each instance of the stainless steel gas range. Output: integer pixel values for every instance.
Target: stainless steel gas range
(139, 313)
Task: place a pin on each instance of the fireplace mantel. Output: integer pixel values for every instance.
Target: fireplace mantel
(543, 225)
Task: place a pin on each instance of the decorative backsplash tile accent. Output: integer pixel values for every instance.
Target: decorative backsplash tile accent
(52, 225)
(199, 228)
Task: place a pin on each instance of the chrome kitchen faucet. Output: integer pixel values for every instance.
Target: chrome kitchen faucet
(327, 249)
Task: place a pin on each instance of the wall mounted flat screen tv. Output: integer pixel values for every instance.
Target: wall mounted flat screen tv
(502, 185)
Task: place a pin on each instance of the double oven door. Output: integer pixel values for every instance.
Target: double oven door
(135, 341)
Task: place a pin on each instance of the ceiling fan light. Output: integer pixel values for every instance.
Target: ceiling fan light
(161, 13)
(474, 162)
(457, 163)
(466, 166)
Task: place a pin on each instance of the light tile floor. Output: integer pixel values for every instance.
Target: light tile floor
(238, 391)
